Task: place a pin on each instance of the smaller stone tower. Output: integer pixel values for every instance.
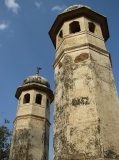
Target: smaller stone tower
(31, 126)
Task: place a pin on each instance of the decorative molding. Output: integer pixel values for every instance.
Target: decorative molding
(87, 45)
(32, 116)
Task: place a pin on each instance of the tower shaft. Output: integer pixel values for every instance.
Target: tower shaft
(31, 126)
(86, 112)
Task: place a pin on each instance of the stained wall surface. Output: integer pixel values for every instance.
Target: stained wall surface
(31, 126)
(86, 113)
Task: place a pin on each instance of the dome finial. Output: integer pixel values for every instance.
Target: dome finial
(37, 70)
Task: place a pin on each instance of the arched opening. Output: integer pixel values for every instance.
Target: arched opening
(38, 98)
(74, 27)
(91, 27)
(48, 103)
(26, 98)
(60, 36)
(19, 100)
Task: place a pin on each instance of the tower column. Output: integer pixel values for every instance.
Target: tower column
(86, 111)
(31, 126)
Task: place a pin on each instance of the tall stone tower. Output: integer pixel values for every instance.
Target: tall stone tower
(86, 113)
(31, 126)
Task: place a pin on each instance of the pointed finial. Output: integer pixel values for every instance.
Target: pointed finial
(37, 70)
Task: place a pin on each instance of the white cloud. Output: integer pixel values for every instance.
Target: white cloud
(58, 8)
(11, 4)
(3, 26)
(38, 4)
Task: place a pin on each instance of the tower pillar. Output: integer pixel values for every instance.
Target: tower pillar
(86, 111)
(31, 126)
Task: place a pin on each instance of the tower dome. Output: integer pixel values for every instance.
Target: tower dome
(36, 80)
(74, 7)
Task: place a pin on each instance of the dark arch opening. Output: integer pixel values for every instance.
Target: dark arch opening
(19, 100)
(91, 27)
(48, 103)
(26, 98)
(74, 27)
(61, 34)
(38, 98)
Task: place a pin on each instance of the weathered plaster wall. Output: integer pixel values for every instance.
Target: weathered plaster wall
(75, 111)
(86, 114)
(30, 139)
(31, 128)
(107, 104)
(84, 95)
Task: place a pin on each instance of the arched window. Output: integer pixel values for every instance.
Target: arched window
(38, 98)
(26, 98)
(19, 100)
(74, 27)
(91, 27)
(60, 36)
(48, 103)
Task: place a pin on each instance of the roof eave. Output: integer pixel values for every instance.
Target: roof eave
(34, 86)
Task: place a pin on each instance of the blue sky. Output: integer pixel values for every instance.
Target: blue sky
(25, 44)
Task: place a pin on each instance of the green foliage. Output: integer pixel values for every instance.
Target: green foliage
(5, 136)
